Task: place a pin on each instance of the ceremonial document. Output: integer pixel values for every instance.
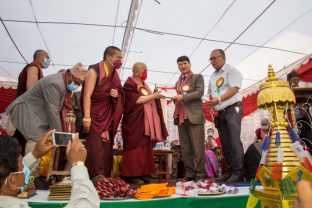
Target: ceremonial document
(167, 92)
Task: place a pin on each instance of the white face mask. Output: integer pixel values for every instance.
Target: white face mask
(265, 127)
(210, 133)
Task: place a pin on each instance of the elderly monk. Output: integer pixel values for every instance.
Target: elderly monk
(102, 105)
(40, 108)
(142, 126)
(30, 74)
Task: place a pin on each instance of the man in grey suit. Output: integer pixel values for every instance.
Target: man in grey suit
(39, 108)
(189, 116)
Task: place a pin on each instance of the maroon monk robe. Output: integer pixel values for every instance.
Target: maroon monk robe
(138, 156)
(67, 106)
(105, 113)
(22, 79)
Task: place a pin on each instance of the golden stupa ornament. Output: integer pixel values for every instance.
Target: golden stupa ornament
(283, 162)
(70, 119)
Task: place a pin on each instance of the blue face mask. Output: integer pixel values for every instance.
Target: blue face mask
(26, 172)
(72, 87)
(46, 62)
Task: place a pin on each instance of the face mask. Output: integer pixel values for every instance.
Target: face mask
(46, 62)
(210, 134)
(26, 172)
(265, 128)
(116, 63)
(144, 75)
(72, 87)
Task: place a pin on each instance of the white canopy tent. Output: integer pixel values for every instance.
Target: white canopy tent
(252, 33)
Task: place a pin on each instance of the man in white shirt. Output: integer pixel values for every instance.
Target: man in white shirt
(14, 172)
(224, 85)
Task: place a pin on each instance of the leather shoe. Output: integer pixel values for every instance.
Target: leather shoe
(149, 179)
(223, 178)
(188, 179)
(235, 178)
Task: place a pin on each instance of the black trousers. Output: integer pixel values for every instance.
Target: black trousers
(229, 128)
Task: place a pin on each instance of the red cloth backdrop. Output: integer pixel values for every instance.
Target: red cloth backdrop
(7, 95)
(305, 71)
(249, 105)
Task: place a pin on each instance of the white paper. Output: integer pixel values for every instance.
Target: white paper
(169, 93)
(205, 98)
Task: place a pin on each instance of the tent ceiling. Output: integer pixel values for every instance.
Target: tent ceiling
(264, 32)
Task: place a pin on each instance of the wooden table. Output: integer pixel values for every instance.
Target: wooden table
(161, 162)
(162, 156)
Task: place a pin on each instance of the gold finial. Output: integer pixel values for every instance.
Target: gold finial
(271, 74)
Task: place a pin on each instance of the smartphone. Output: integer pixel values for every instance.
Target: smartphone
(61, 138)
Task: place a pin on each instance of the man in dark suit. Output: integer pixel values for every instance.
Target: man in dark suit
(189, 117)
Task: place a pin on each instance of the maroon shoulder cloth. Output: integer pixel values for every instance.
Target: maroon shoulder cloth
(133, 132)
(22, 79)
(106, 111)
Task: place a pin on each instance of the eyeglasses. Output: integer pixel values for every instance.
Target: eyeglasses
(214, 58)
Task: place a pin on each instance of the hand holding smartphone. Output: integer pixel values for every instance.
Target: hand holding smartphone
(62, 138)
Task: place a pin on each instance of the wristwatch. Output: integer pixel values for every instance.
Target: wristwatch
(80, 163)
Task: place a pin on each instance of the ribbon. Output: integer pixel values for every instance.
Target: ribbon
(277, 171)
(263, 157)
(278, 138)
(300, 173)
(252, 201)
(219, 83)
(252, 187)
(266, 143)
(166, 88)
(294, 137)
(285, 204)
(268, 180)
(307, 164)
(280, 155)
(288, 186)
(258, 171)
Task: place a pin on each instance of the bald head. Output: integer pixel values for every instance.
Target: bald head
(265, 121)
(138, 66)
(79, 72)
(40, 52)
(39, 58)
(139, 70)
